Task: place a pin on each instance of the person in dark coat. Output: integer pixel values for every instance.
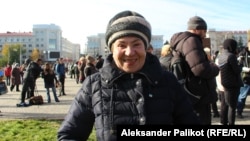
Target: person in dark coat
(77, 73)
(245, 89)
(166, 56)
(15, 78)
(49, 81)
(90, 66)
(230, 71)
(99, 62)
(130, 89)
(201, 71)
(33, 71)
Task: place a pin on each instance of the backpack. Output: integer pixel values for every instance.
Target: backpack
(178, 66)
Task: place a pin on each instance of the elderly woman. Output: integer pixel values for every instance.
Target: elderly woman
(130, 89)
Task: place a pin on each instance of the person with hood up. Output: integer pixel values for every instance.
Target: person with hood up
(230, 72)
(130, 88)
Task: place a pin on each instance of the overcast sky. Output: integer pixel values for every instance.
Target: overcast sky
(81, 18)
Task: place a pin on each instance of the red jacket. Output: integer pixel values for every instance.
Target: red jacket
(7, 71)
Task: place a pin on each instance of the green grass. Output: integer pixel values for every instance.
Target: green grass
(31, 130)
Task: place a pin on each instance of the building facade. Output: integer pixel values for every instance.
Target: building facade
(217, 38)
(96, 44)
(47, 38)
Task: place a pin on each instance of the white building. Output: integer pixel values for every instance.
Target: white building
(47, 38)
(96, 44)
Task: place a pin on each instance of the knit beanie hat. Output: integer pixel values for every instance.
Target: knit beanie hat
(230, 45)
(128, 23)
(197, 22)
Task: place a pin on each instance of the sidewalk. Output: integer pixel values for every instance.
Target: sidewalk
(51, 110)
(55, 110)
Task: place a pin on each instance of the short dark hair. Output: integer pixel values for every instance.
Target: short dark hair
(39, 59)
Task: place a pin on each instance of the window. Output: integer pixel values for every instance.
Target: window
(52, 43)
(54, 54)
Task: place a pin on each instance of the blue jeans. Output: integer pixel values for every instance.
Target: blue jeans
(54, 93)
(244, 91)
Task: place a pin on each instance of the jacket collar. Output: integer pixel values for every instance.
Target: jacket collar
(151, 70)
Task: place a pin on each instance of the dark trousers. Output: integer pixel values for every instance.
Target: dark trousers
(228, 106)
(203, 111)
(214, 108)
(28, 88)
(77, 78)
(62, 81)
(13, 86)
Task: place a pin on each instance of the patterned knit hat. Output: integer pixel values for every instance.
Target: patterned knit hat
(197, 22)
(128, 23)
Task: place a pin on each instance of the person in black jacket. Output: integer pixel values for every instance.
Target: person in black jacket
(200, 71)
(49, 81)
(165, 58)
(33, 71)
(130, 89)
(230, 71)
(99, 62)
(245, 89)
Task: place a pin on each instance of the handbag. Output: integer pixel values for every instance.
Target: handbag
(36, 100)
(3, 88)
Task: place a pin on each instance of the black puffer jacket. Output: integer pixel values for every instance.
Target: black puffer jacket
(111, 97)
(230, 70)
(32, 72)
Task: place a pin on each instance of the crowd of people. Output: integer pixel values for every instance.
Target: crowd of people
(227, 73)
(135, 87)
(54, 75)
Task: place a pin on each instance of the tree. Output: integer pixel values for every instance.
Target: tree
(11, 53)
(240, 42)
(5, 50)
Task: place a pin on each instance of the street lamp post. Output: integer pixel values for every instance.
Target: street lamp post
(20, 53)
(45, 57)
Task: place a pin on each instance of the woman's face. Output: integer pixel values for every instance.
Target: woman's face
(129, 54)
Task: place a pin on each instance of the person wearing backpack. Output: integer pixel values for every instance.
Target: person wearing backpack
(200, 72)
